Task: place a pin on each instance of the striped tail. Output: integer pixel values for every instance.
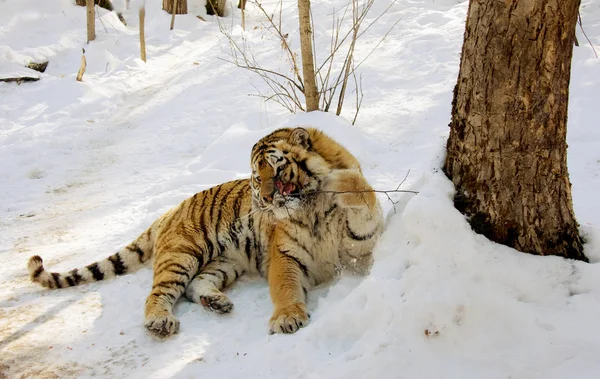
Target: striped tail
(128, 259)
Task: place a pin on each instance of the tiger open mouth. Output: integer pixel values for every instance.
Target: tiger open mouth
(286, 189)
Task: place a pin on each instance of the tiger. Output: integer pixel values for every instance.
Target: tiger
(306, 214)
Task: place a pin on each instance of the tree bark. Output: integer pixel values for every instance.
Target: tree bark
(216, 7)
(91, 22)
(180, 6)
(507, 150)
(308, 67)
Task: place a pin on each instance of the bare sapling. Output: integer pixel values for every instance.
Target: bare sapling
(284, 89)
(142, 36)
(330, 83)
(91, 23)
(173, 15)
(311, 94)
(242, 7)
(331, 76)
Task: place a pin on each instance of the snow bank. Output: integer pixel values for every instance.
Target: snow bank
(442, 301)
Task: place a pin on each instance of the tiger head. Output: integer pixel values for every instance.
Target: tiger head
(285, 171)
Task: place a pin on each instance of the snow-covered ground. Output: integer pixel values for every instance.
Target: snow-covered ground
(87, 166)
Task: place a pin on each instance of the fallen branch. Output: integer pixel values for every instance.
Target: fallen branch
(20, 79)
(39, 67)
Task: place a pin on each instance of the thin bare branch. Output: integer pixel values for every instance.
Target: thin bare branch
(362, 191)
(378, 43)
(282, 37)
(386, 192)
(403, 180)
(256, 68)
(350, 56)
(358, 87)
(585, 35)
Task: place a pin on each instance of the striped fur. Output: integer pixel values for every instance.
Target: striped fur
(276, 224)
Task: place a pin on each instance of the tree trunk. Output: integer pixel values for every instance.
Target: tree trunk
(216, 7)
(308, 67)
(180, 6)
(507, 150)
(91, 22)
(242, 6)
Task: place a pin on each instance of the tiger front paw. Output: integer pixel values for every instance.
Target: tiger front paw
(351, 187)
(289, 319)
(162, 326)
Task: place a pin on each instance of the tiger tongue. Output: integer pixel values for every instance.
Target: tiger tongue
(285, 189)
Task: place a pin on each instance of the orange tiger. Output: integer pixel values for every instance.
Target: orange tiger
(284, 223)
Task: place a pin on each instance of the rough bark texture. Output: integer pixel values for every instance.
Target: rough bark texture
(308, 67)
(507, 150)
(180, 6)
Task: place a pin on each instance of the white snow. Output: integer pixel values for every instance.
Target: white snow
(88, 165)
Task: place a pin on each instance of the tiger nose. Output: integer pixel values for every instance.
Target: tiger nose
(267, 199)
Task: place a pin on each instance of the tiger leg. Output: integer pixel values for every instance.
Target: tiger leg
(353, 190)
(206, 287)
(173, 270)
(364, 218)
(288, 280)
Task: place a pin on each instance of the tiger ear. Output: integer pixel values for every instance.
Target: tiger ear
(300, 137)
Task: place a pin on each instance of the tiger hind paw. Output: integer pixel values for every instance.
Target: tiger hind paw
(217, 302)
